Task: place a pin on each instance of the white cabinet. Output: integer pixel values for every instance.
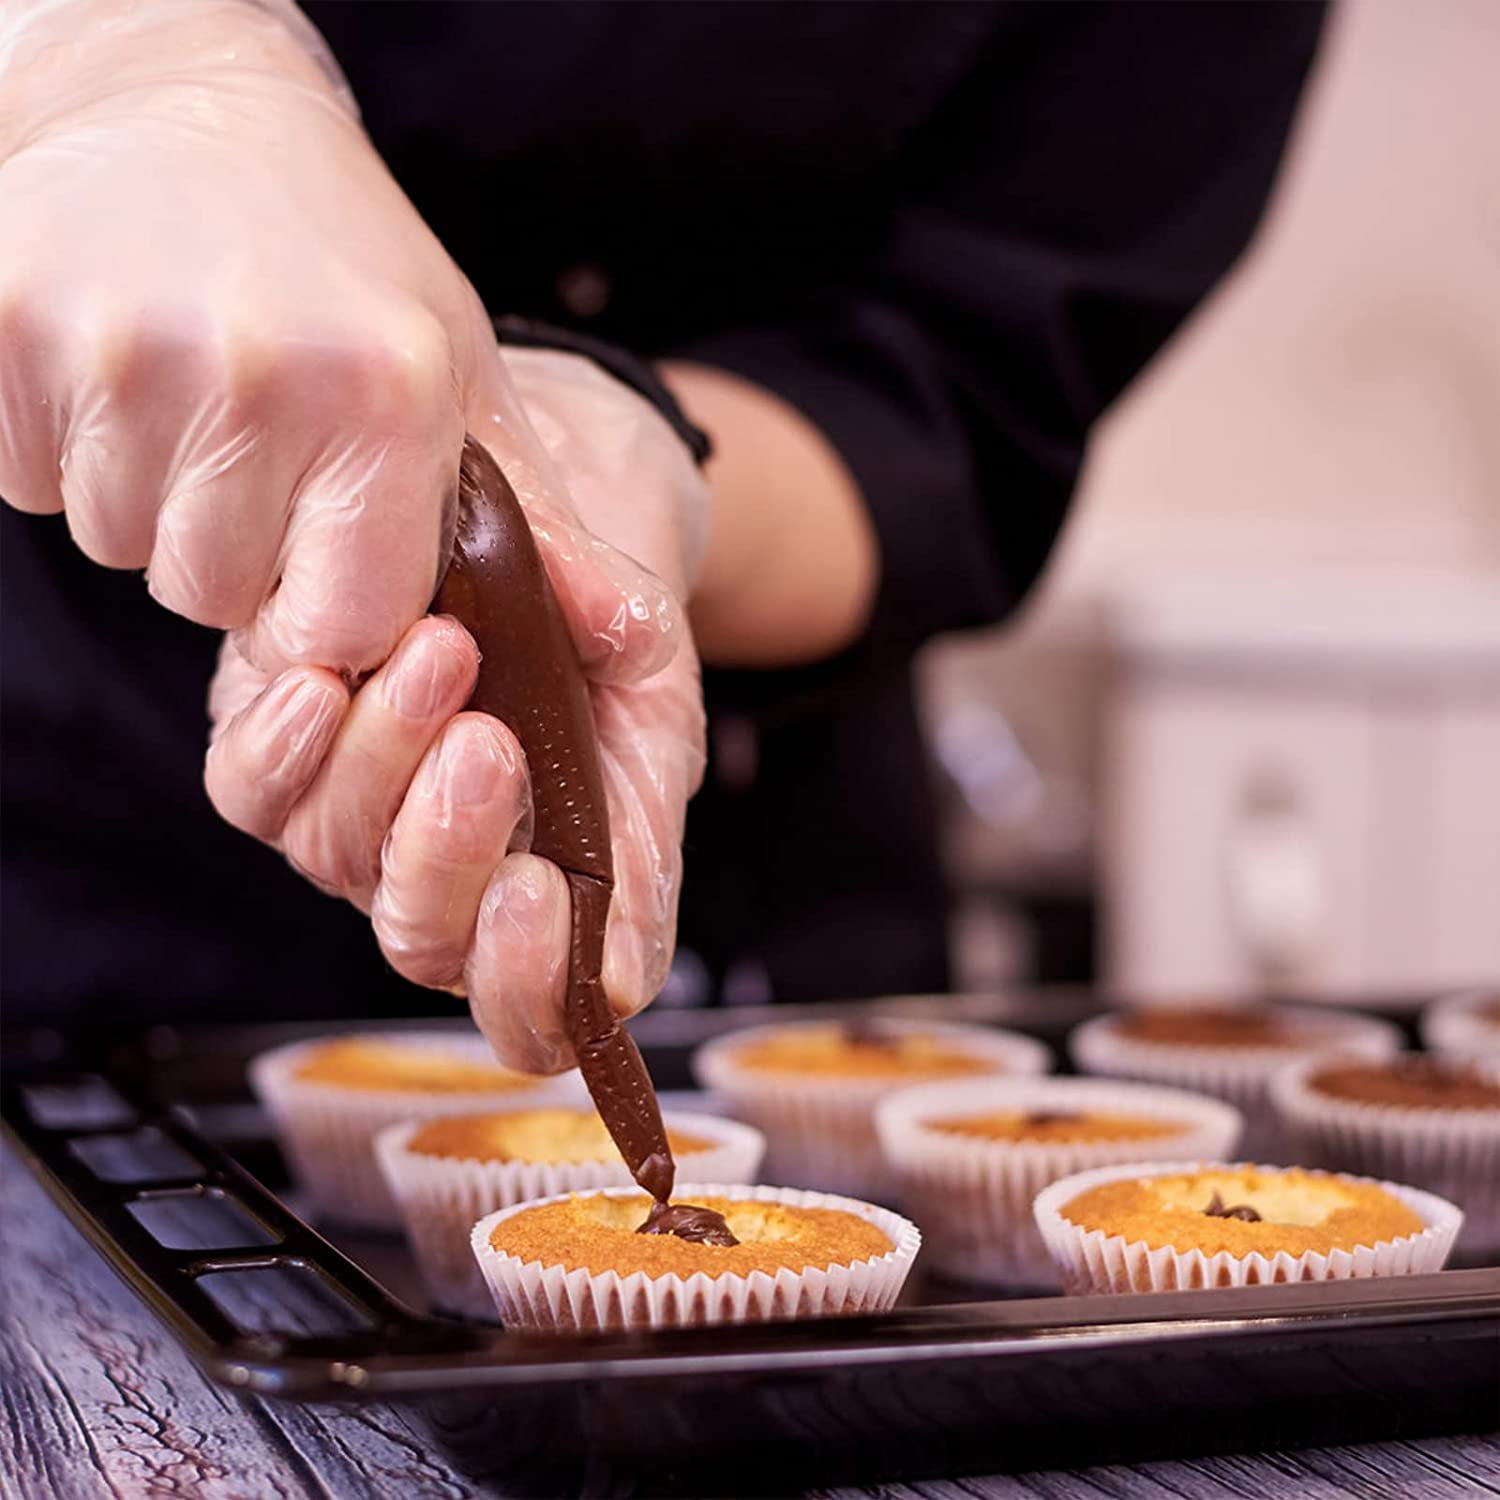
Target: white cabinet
(1301, 786)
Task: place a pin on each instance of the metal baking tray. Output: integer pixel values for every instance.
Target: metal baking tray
(151, 1145)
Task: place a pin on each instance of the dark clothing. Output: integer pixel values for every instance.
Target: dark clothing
(949, 233)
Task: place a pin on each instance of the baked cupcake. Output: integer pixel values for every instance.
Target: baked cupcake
(444, 1174)
(578, 1261)
(1231, 1052)
(1466, 1025)
(1182, 1225)
(813, 1087)
(970, 1157)
(1431, 1121)
(329, 1097)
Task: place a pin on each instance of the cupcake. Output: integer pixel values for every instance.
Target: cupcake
(329, 1097)
(969, 1158)
(578, 1261)
(813, 1087)
(1431, 1121)
(1177, 1226)
(1230, 1052)
(1466, 1025)
(446, 1173)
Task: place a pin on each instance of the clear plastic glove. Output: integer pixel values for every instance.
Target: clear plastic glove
(420, 814)
(232, 353)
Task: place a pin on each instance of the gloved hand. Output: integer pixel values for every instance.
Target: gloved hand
(420, 814)
(233, 354)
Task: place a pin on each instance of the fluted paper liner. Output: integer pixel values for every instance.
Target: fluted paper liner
(1452, 1152)
(1093, 1261)
(328, 1132)
(530, 1294)
(973, 1197)
(1454, 1027)
(439, 1198)
(820, 1130)
(1240, 1075)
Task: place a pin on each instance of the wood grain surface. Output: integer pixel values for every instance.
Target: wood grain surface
(98, 1400)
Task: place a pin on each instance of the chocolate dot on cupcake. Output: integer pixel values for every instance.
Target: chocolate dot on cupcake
(1217, 1209)
(689, 1221)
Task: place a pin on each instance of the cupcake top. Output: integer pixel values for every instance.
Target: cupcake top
(598, 1233)
(1244, 1210)
(392, 1066)
(1057, 1127)
(1411, 1082)
(866, 1051)
(552, 1135)
(1205, 1026)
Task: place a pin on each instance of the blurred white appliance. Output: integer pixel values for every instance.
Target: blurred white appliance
(1301, 785)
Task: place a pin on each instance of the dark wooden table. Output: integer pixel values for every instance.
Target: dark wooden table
(100, 1401)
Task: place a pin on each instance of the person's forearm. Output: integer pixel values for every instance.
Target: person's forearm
(792, 565)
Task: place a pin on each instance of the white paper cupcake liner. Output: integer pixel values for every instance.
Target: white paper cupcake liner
(1454, 1027)
(439, 1198)
(973, 1197)
(1093, 1261)
(529, 1294)
(820, 1131)
(1242, 1076)
(1452, 1152)
(328, 1132)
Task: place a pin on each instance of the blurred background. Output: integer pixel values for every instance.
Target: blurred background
(1244, 737)
(1247, 734)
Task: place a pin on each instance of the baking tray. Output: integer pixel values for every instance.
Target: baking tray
(149, 1142)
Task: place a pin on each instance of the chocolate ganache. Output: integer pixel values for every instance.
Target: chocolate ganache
(530, 678)
(689, 1221)
(1217, 1210)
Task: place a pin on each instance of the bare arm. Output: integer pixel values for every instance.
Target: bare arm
(792, 565)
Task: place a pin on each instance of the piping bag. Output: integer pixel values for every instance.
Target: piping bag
(530, 678)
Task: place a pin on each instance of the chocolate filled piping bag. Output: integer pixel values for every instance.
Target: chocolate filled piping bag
(530, 678)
